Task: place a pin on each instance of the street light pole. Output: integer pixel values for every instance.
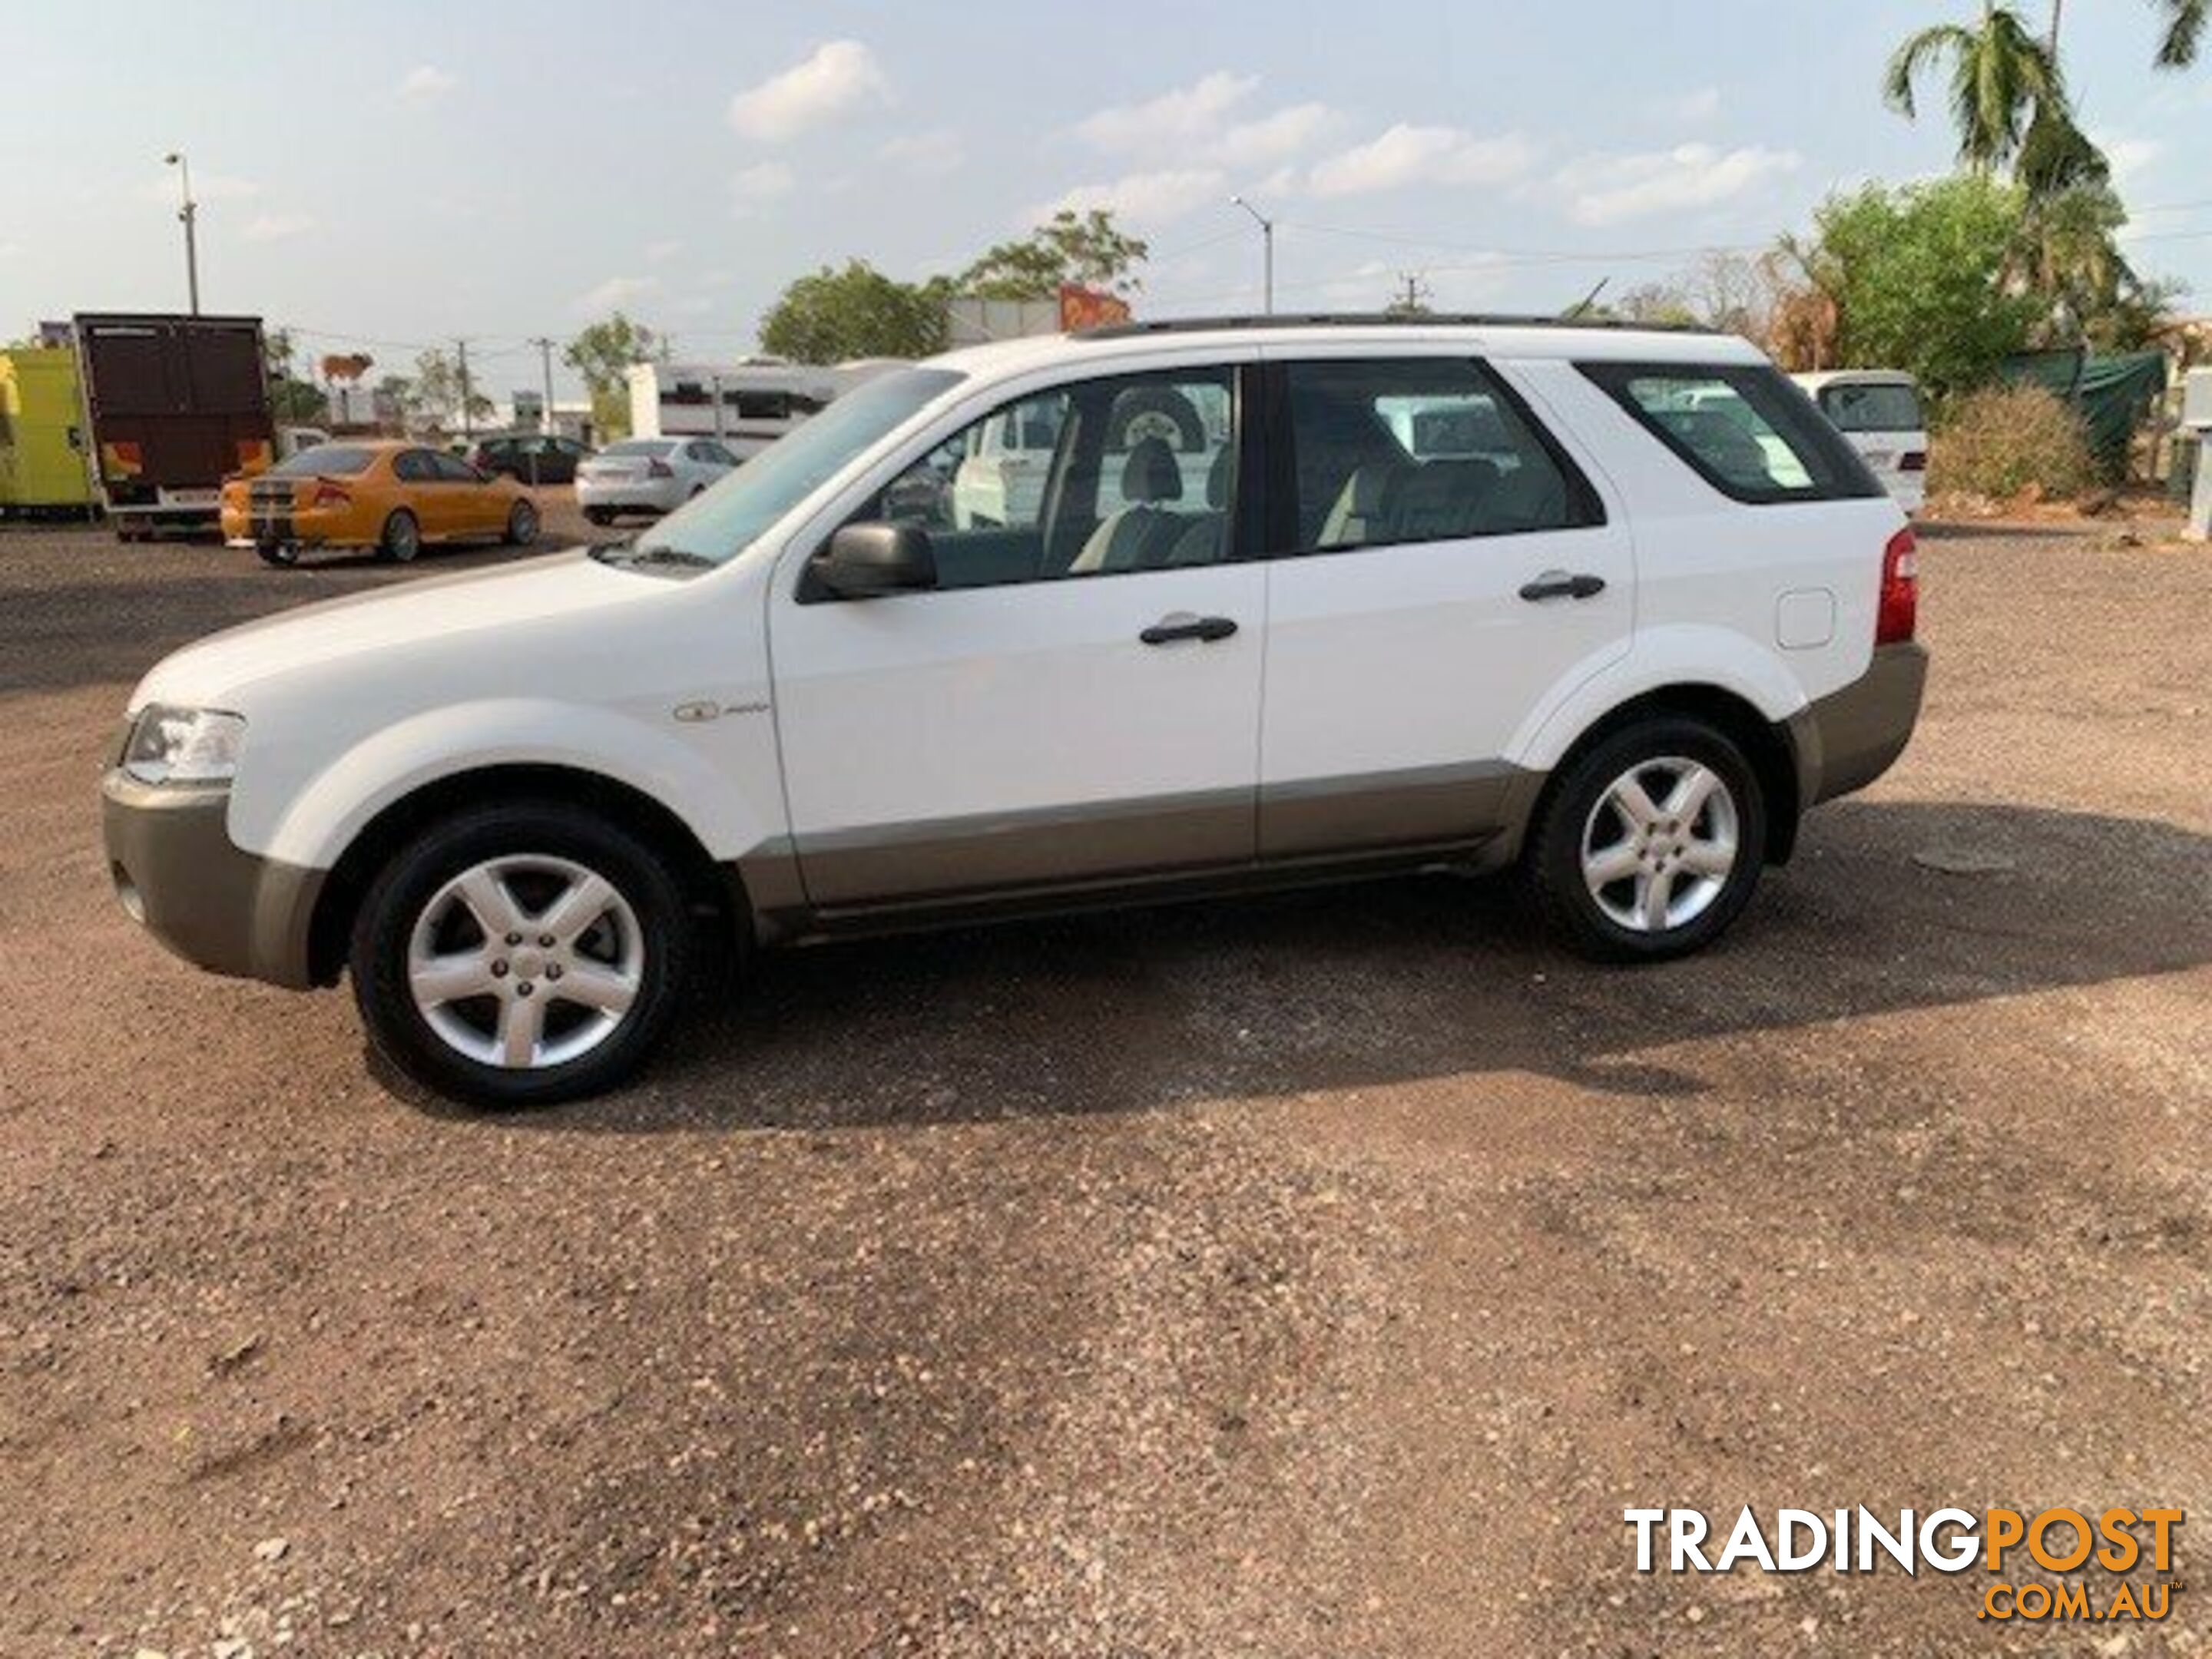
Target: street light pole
(189, 213)
(545, 356)
(1267, 248)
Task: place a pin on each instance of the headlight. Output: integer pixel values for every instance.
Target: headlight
(184, 746)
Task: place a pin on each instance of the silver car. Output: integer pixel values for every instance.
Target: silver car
(649, 474)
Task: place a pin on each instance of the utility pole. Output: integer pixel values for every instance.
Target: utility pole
(468, 423)
(545, 356)
(1267, 248)
(190, 214)
(1412, 300)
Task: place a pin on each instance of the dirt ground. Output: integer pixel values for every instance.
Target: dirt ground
(1315, 1276)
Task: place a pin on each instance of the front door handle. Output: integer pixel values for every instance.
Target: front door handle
(1558, 585)
(1182, 625)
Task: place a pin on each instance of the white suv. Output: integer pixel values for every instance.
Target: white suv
(1610, 607)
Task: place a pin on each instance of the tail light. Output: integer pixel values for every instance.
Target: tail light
(1913, 460)
(659, 470)
(1900, 590)
(329, 494)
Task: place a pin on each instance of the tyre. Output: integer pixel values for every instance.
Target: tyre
(1648, 844)
(521, 525)
(402, 538)
(599, 515)
(519, 955)
(285, 555)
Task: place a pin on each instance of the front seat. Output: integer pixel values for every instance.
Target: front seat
(1141, 533)
(1204, 537)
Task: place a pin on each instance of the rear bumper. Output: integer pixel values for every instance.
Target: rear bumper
(177, 873)
(1847, 739)
(654, 495)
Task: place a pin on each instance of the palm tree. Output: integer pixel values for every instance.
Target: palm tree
(2002, 79)
(2184, 32)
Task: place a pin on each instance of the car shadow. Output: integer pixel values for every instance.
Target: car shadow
(1419, 978)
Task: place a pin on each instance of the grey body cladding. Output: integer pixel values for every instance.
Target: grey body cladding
(1215, 842)
(1190, 844)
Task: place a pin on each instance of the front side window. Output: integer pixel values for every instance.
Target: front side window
(1745, 429)
(452, 469)
(1390, 451)
(1126, 473)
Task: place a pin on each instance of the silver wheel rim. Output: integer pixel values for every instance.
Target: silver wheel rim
(1660, 845)
(526, 522)
(526, 962)
(404, 538)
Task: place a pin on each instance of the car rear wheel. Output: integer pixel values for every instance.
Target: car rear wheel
(403, 538)
(1650, 843)
(283, 554)
(521, 525)
(520, 955)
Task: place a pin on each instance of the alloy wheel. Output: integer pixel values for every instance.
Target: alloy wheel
(1659, 847)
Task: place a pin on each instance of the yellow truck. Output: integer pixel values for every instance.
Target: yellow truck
(42, 460)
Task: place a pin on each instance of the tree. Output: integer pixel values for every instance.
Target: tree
(1071, 247)
(436, 394)
(603, 353)
(2006, 94)
(829, 316)
(2184, 32)
(1921, 278)
(2069, 258)
(292, 401)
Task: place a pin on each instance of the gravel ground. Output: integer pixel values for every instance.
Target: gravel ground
(1315, 1276)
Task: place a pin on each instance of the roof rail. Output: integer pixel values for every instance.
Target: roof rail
(1375, 320)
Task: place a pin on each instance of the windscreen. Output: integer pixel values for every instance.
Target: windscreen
(325, 461)
(1880, 406)
(729, 517)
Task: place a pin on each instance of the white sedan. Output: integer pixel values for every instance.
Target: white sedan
(649, 474)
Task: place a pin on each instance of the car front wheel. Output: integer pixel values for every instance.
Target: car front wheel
(519, 955)
(1650, 842)
(521, 525)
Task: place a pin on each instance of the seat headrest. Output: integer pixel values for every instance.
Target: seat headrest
(1150, 473)
(1216, 475)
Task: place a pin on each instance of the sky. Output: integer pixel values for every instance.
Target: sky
(383, 177)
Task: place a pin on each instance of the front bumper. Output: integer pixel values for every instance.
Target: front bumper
(1848, 739)
(177, 872)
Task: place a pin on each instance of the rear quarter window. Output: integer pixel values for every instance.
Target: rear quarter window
(1744, 429)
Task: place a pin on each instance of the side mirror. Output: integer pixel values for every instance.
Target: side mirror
(864, 561)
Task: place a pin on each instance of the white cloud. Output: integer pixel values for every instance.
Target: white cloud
(841, 76)
(425, 84)
(1145, 198)
(761, 183)
(1193, 126)
(1174, 120)
(1408, 155)
(659, 253)
(1275, 138)
(930, 155)
(1605, 190)
(618, 291)
(2130, 156)
(278, 226)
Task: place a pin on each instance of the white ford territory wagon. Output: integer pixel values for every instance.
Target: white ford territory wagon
(1296, 599)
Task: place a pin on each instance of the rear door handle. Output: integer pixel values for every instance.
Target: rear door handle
(1182, 625)
(1558, 585)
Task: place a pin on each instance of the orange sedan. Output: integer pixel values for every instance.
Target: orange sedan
(392, 496)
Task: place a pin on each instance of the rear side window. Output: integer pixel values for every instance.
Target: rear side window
(1390, 451)
(1748, 431)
